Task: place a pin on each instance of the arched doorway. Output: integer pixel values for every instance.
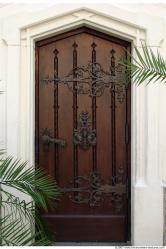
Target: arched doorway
(83, 134)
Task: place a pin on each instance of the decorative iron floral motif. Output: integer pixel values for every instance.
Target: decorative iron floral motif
(92, 190)
(84, 136)
(92, 79)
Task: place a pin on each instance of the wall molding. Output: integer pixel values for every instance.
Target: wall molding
(146, 188)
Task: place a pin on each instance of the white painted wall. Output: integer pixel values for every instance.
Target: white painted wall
(21, 25)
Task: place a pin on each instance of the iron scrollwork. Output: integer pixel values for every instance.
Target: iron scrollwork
(92, 79)
(84, 136)
(92, 190)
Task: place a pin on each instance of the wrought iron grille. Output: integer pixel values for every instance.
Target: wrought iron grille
(91, 189)
(92, 79)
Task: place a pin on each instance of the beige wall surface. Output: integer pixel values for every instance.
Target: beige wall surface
(22, 24)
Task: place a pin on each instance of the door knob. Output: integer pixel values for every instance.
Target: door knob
(47, 139)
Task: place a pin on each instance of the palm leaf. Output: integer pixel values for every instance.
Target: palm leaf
(146, 66)
(22, 224)
(33, 182)
(13, 233)
(21, 209)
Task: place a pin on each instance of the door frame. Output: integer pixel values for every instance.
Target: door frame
(144, 162)
(112, 39)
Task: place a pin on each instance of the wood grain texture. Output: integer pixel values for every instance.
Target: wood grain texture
(58, 109)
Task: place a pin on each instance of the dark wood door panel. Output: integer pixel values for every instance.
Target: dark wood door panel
(93, 169)
(93, 228)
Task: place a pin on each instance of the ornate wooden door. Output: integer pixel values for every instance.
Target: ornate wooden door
(83, 134)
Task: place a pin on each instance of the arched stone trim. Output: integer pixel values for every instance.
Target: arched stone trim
(146, 188)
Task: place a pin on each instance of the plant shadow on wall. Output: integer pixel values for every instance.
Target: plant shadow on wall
(20, 222)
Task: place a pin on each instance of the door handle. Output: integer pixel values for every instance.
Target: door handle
(47, 139)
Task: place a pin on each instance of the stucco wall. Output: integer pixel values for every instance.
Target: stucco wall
(20, 25)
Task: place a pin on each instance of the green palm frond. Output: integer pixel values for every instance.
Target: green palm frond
(14, 234)
(147, 65)
(22, 224)
(17, 208)
(33, 182)
(25, 211)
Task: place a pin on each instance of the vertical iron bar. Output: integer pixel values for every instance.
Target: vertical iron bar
(113, 115)
(75, 107)
(94, 107)
(56, 107)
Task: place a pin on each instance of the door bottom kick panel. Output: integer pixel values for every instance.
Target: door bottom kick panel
(93, 228)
